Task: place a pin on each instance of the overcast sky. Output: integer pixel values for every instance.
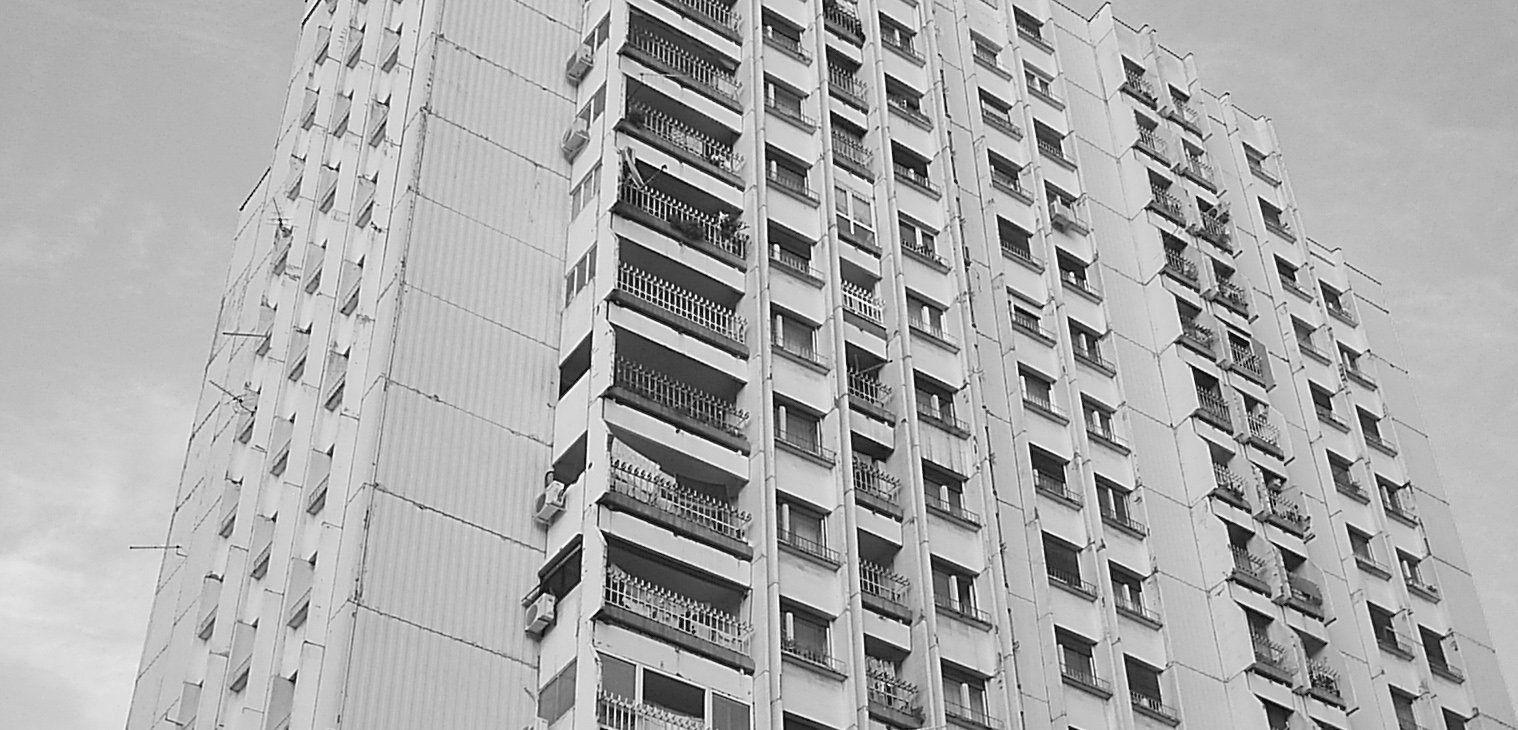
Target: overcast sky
(131, 129)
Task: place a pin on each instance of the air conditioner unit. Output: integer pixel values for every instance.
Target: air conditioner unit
(550, 504)
(540, 614)
(575, 138)
(580, 63)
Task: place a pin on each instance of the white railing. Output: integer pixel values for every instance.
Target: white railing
(887, 689)
(1234, 293)
(791, 260)
(1136, 83)
(671, 609)
(850, 149)
(1167, 203)
(912, 176)
(1228, 481)
(1151, 140)
(860, 301)
(614, 712)
(880, 581)
(721, 230)
(684, 136)
(1261, 428)
(875, 482)
(1212, 402)
(869, 390)
(666, 494)
(1246, 358)
(681, 302)
(787, 43)
(678, 396)
(1177, 262)
(723, 14)
(789, 179)
(1198, 333)
(699, 70)
(845, 82)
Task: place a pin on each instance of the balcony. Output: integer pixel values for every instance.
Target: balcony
(910, 109)
(1153, 706)
(789, 45)
(851, 153)
(1323, 683)
(934, 331)
(1010, 183)
(1125, 522)
(665, 131)
(1264, 434)
(1243, 359)
(962, 611)
(670, 616)
(1442, 668)
(1213, 228)
(1285, 515)
(1022, 253)
(679, 403)
(952, 510)
(1084, 678)
(846, 87)
(1041, 404)
(790, 181)
(1054, 486)
(1199, 171)
(926, 255)
(1183, 113)
(1311, 350)
(1167, 205)
(1178, 265)
(1304, 595)
(1369, 564)
(1375, 441)
(1000, 119)
(1418, 587)
(1271, 659)
(863, 304)
(1092, 357)
(1281, 227)
(1055, 150)
(1138, 86)
(1400, 512)
(1135, 610)
(876, 489)
(795, 264)
(685, 66)
(903, 46)
(843, 22)
(972, 718)
(1107, 437)
(893, 700)
(661, 500)
(1249, 570)
(1198, 336)
(1066, 214)
(718, 234)
(917, 178)
(614, 712)
(806, 443)
(1347, 486)
(1071, 581)
(1233, 296)
(1394, 642)
(791, 109)
(813, 657)
(1230, 487)
(870, 396)
(1213, 409)
(809, 548)
(1341, 312)
(1358, 375)
(1077, 281)
(883, 591)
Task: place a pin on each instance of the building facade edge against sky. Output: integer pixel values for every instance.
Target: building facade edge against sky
(850, 388)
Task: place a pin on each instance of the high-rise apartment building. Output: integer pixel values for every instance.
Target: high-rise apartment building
(796, 365)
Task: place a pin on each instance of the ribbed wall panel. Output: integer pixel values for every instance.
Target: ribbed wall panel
(476, 365)
(501, 189)
(537, 57)
(404, 677)
(485, 271)
(451, 461)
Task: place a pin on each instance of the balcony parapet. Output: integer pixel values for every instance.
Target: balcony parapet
(1249, 570)
(662, 500)
(870, 396)
(684, 66)
(1084, 679)
(876, 489)
(1270, 660)
(674, 400)
(720, 235)
(686, 622)
(884, 591)
(614, 712)
(893, 700)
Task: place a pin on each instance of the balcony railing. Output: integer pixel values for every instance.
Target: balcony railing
(1233, 294)
(1393, 641)
(1261, 428)
(1150, 140)
(721, 230)
(1136, 84)
(792, 109)
(667, 495)
(1211, 227)
(1071, 580)
(786, 43)
(869, 390)
(614, 712)
(836, 15)
(1212, 405)
(1136, 609)
(1323, 680)
(1053, 149)
(1199, 170)
(1009, 181)
(927, 327)
(912, 176)
(1198, 334)
(910, 108)
(881, 582)
(851, 149)
(1000, 119)
(1247, 563)
(1397, 510)
(722, 14)
(1084, 677)
(700, 71)
(792, 262)
(1092, 355)
(1286, 512)
(1245, 359)
(846, 85)
(1152, 704)
(675, 611)
(1341, 312)
(901, 45)
(1066, 213)
(1167, 204)
(813, 655)
(784, 177)
(976, 716)
(1124, 521)
(1346, 484)
(680, 397)
(684, 136)
(807, 441)
(1177, 263)
(1054, 485)
(1022, 251)
(1187, 114)
(1304, 591)
(809, 546)
(963, 610)
(1443, 668)
(860, 301)
(887, 690)
(1229, 482)
(943, 506)
(1358, 374)
(875, 482)
(1077, 280)
(1270, 653)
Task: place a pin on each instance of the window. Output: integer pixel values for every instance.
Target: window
(925, 316)
(621, 678)
(1403, 707)
(1144, 683)
(1037, 389)
(1050, 142)
(784, 36)
(558, 695)
(954, 588)
(580, 276)
(1382, 623)
(1323, 402)
(916, 237)
(906, 99)
(586, 191)
(1397, 498)
(1049, 474)
(944, 493)
(1114, 500)
(1016, 241)
(1370, 424)
(1073, 272)
(795, 336)
(805, 633)
(1075, 656)
(910, 167)
(1028, 26)
(1360, 545)
(964, 695)
(1149, 138)
(1258, 163)
(1453, 721)
(1128, 590)
(1006, 175)
(1305, 339)
(593, 108)
(997, 113)
(986, 52)
(1290, 274)
(799, 428)
(1273, 218)
(786, 102)
(1027, 316)
(1088, 346)
(1276, 716)
(855, 214)
(1099, 419)
(1062, 561)
(1134, 81)
(1040, 83)
(1412, 569)
(790, 251)
(787, 173)
(896, 36)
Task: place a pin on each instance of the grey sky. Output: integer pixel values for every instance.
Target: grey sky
(131, 129)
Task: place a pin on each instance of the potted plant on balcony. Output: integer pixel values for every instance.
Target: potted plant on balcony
(636, 117)
(687, 227)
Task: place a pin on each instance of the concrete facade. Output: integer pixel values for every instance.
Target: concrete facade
(787, 365)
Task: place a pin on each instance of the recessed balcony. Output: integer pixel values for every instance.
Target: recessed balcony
(1054, 486)
(1124, 521)
(1243, 360)
(710, 227)
(848, 88)
(1213, 228)
(1153, 706)
(1303, 595)
(1282, 513)
(714, 15)
(682, 133)
(672, 616)
(1198, 337)
(1249, 570)
(870, 396)
(1199, 171)
(1271, 660)
(1084, 678)
(916, 177)
(876, 489)
(1070, 581)
(1167, 205)
(1394, 642)
(851, 154)
(893, 700)
(1010, 183)
(1264, 434)
(808, 547)
(1135, 610)
(1234, 297)
(952, 510)
(678, 402)
(681, 308)
(1068, 215)
(686, 511)
(1323, 683)
(614, 712)
(948, 606)
(971, 718)
(1041, 404)
(656, 48)
(1229, 486)
(1092, 357)
(1184, 114)
(1150, 142)
(884, 591)
(843, 22)
(1178, 265)
(1346, 485)
(863, 303)
(1138, 86)
(1212, 408)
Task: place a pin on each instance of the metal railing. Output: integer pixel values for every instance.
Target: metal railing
(807, 441)
(1177, 263)
(719, 230)
(1393, 640)
(972, 715)
(887, 690)
(1134, 608)
(807, 545)
(947, 603)
(881, 582)
(1042, 402)
(1269, 652)
(1233, 293)
(1069, 579)
(860, 301)
(791, 109)
(667, 495)
(1031, 325)
(1198, 333)
(1211, 227)
(1199, 169)
(1152, 703)
(911, 175)
(1001, 119)
(678, 396)
(1323, 678)
(944, 506)
(1304, 590)
(851, 149)
(1288, 512)
(942, 417)
(1093, 356)
(1077, 280)
(1187, 113)
(1261, 428)
(1244, 357)
(1166, 203)
(1084, 676)
(684, 136)
(1054, 484)
(1136, 83)
(876, 482)
(1247, 562)
(1345, 482)
(869, 390)
(1279, 225)
(702, 72)
(789, 179)
(835, 13)
(1212, 403)
(1032, 32)
(1021, 250)
(934, 329)
(1066, 210)
(786, 43)
(723, 14)
(987, 56)
(1052, 148)
(671, 609)
(1228, 481)
(847, 84)
(1149, 138)
(615, 712)
(681, 302)
(908, 107)
(902, 45)
(1124, 521)
(1009, 180)
(789, 260)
